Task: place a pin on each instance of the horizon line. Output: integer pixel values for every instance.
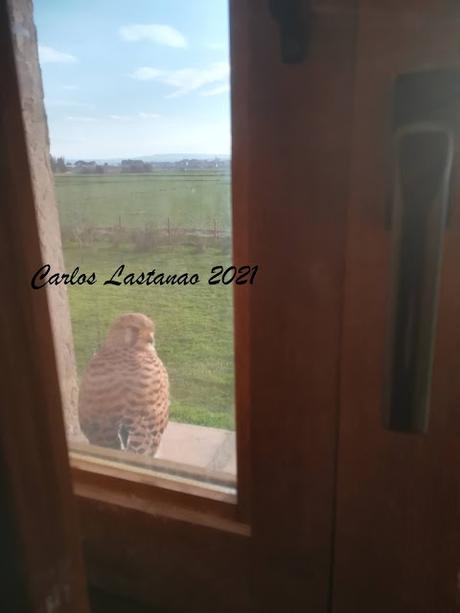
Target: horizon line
(140, 157)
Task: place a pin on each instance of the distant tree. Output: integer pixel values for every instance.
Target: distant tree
(58, 164)
(135, 166)
(84, 167)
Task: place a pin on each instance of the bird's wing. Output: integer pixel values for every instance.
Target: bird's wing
(102, 402)
(147, 406)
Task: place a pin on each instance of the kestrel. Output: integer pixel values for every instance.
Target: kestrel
(124, 393)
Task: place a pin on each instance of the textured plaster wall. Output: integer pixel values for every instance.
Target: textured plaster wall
(25, 41)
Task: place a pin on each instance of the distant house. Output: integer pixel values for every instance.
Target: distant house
(111, 169)
(193, 164)
(139, 166)
(135, 166)
(83, 167)
(84, 164)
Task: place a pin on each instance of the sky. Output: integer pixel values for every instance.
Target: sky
(135, 78)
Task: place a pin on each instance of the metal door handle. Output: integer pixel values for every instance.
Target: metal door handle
(426, 107)
(424, 153)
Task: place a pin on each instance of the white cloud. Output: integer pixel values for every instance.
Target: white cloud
(146, 74)
(82, 118)
(121, 117)
(153, 32)
(219, 89)
(186, 80)
(48, 55)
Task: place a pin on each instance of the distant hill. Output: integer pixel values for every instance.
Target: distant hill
(177, 157)
(159, 157)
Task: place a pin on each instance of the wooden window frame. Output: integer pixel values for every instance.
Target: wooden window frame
(271, 549)
(42, 567)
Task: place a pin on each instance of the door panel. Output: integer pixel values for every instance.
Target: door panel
(397, 532)
(297, 148)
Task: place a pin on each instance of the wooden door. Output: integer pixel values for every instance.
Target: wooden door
(269, 549)
(397, 545)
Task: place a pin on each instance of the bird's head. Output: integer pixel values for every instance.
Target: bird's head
(131, 330)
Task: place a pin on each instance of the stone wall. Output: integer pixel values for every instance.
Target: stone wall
(36, 128)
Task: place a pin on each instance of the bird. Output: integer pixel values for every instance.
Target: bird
(124, 392)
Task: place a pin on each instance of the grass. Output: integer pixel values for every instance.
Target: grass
(194, 324)
(189, 200)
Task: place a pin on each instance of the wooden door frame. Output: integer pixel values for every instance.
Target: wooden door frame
(44, 556)
(272, 550)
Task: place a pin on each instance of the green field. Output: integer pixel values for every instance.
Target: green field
(194, 324)
(192, 200)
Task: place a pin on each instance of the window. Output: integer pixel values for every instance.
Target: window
(139, 122)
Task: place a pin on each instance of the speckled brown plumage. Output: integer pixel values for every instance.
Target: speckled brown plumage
(124, 393)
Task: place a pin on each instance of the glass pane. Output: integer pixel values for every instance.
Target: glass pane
(137, 100)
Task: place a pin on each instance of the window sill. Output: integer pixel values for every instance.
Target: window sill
(210, 449)
(193, 477)
(200, 456)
